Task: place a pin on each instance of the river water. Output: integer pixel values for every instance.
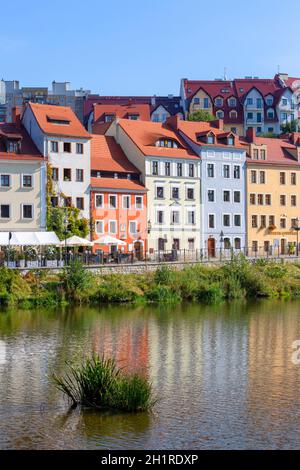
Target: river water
(223, 376)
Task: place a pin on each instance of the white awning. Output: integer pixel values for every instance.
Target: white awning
(108, 240)
(76, 241)
(29, 238)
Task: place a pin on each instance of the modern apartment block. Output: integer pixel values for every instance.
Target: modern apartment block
(60, 137)
(222, 173)
(263, 104)
(273, 196)
(170, 170)
(22, 180)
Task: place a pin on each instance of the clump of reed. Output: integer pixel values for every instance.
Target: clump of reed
(99, 383)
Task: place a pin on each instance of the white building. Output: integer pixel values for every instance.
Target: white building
(60, 136)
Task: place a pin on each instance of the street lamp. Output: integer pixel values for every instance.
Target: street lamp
(221, 242)
(296, 227)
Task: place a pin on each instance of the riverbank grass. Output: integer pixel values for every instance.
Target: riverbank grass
(99, 383)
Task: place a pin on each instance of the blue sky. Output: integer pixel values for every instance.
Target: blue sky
(145, 46)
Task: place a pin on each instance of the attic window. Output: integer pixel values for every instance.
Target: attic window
(169, 143)
(225, 90)
(13, 146)
(230, 140)
(109, 117)
(133, 117)
(210, 139)
(58, 120)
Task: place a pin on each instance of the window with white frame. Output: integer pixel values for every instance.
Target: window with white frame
(126, 202)
(211, 195)
(160, 217)
(99, 201)
(190, 194)
(237, 196)
(139, 202)
(226, 195)
(79, 148)
(54, 146)
(226, 220)
(211, 220)
(27, 211)
(112, 226)
(226, 171)
(237, 171)
(112, 201)
(27, 181)
(237, 220)
(191, 217)
(4, 211)
(99, 226)
(133, 227)
(175, 192)
(5, 181)
(175, 217)
(210, 170)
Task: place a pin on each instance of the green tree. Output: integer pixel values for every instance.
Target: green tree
(290, 127)
(66, 221)
(201, 115)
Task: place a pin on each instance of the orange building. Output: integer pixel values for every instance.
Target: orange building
(118, 198)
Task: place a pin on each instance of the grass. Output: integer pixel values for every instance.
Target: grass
(99, 383)
(235, 279)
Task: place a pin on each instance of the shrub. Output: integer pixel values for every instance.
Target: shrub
(163, 275)
(76, 280)
(210, 294)
(163, 294)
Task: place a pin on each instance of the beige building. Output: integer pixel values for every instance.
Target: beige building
(22, 181)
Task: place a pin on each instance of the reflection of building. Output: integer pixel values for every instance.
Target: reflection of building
(118, 198)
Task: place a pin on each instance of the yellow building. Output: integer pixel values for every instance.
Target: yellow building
(273, 199)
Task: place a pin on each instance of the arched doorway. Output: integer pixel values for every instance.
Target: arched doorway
(211, 247)
(138, 249)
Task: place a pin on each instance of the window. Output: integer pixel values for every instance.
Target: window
(191, 243)
(167, 169)
(293, 200)
(260, 199)
(54, 146)
(237, 243)
(175, 193)
(210, 139)
(263, 221)
(79, 148)
(179, 169)
(249, 101)
(282, 223)
(220, 114)
(79, 175)
(211, 220)
(236, 196)
(99, 226)
(270, 114)
(112, 201)
(249, 116)
(268, 199)
(255, 154)
(190, 194)
(154, 168)
(80, 203)
(271, 220)
(27, 211)
(206, 103)
(226, 171)
(133, 227)
(68, 201)
(219, 102)
(230, 141)
(27, 181)
(175, 217)
(227, 243)
(237, 172)
(191, 170)
(196, 100)
(232, 102)
(252, 198)
(293, 223)
(4, 211)
(109, 117)
(254, 246)
(284, 102)
(67, 147)
(210, 170)
(266, 246)
(262, 154)
(262, 177)
(258, 103)
(191, 217)
(99, 200)
(126, 202)
(211, 195)
(237, 220)
(282, 200)
(226, 196)
(159, 192)
(55, 174)
(5, 181)
(254, 221)
(54, 201)
(67, 174)
(282, 177)
(112, 226)
(133, 117)
(161, 244)
(293, 178)
(226, 220)
(253, 176)
(138, 202)
(160, 217)
(269, 101)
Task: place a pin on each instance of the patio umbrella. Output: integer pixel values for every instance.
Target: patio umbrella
(108, 240)
(76, 241)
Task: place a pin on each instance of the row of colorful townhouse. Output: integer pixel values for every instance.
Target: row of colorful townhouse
(156, 186)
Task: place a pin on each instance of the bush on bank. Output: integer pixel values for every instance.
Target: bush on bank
(235, 279)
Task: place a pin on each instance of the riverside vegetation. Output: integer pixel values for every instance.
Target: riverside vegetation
(235, 279)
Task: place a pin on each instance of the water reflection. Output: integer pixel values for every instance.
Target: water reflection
(223, 376)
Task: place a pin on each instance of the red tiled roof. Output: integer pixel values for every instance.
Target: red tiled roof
(107, 155)
(42, 112)
(192, 129)
(145, 134)
(121, 111)
(278, 151)
(117, 183)
(28, 150)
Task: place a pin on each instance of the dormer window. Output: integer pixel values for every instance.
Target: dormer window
(230, 140)
(133, 117)
(58, 120)
(232, 102)
(169, 143)
(13, 146)
(269, 100)
(210, 139)
(109, 117)
(219, 102)
(220, 114)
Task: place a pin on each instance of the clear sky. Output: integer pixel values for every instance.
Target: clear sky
(121, 47)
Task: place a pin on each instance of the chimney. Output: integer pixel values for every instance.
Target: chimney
(251, 134)
(16, 116)
(173, 122)
(218, 123)
(153, 101)
(295, 138)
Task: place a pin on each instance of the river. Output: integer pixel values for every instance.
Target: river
(223, 376)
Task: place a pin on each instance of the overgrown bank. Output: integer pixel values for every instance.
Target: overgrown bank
(236, 279)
